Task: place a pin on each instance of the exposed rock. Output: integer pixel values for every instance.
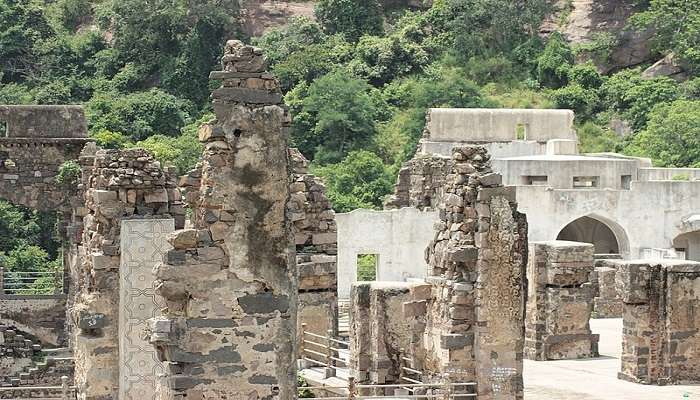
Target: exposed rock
(667, 66)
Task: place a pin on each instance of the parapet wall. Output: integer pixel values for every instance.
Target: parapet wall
(498, 125)
(37, 140)
(44, 121)
(44, 316)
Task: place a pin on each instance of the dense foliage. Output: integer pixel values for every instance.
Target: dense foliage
(358, 79)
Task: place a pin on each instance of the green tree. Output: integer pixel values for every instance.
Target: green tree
(138, 115)
(23, 25)
(555, 61)
(352, 18)
(183, 151)
(676, 25)
(359, 181)
(27, 258)
(17, 227)
(382, 59)
(672, 136)
(332, 116)
(575, 97)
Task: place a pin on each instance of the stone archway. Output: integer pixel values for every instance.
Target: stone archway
(607, 236)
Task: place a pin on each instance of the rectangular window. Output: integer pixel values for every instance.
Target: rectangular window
(534, 180)
(586, 182)
(521, 132)
(367, 267)
(625, 181)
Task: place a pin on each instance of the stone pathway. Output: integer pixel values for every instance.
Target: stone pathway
(595, 379)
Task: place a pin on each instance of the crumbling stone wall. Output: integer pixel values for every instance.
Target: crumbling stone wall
(316, 239)
(230, 282)
(378, 333)
(38, 140)
(117, 185)
(44, 316)
(559, 301)
(420, 183)
(607, 302)
(660, 337)
(467, 325)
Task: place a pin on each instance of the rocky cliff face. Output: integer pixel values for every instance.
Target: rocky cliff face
(582, 21)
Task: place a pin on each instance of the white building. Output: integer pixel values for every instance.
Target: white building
(620, 204)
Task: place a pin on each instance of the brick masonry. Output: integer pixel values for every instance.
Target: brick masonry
(559, 301)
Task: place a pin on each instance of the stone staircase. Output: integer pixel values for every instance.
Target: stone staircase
(47, 365)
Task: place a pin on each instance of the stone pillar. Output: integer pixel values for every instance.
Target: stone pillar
(661, 323)
(378, 332)
(608, 301)
(230, 283)
(316, 239)
(559, 301)
(472, 327)
(117, 185)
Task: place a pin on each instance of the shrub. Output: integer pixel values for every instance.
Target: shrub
(68, 173)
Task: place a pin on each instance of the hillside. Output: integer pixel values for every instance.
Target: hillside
(359, 74)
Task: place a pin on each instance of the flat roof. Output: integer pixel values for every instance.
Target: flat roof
(565, 157)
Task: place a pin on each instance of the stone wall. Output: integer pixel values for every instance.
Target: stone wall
(230, 283)
(117, 185)
(420, 183)
(467, 326)
(38, 140)
(660, 337)
(378, 333)
(44, 121)
(559, 301)
(316, 239)
(397, 237)
(608, 300)
(44, 316)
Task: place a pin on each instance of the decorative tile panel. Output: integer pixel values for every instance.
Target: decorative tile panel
(143, 245)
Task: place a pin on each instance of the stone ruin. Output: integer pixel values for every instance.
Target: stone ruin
(466, 322)
(607, 302)
(118, 185)
(559, 301)
(230, 282)
(660, 337)
(379, 335)
(223, 299)
(315, 237)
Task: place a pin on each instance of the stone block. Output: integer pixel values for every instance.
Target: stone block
(156, 196)
(183, 239)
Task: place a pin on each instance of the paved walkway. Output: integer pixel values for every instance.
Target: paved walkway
(595, 379)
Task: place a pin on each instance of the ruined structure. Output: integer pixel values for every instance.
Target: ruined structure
(607, 302)
(660, 336)
(315, 237)
(379, 336)
(590, 198)
(467, 325)
(559, 301)
(118, 186)
(37, 140)
(230, 282)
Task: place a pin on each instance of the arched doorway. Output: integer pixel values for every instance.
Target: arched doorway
(688, 243)
(602, 235)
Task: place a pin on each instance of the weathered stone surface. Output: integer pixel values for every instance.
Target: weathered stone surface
(560, 301)
(661, 340)
(466, 322)
(115, 184)
(232, 297)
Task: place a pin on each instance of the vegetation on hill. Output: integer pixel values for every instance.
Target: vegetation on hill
(357, 81)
